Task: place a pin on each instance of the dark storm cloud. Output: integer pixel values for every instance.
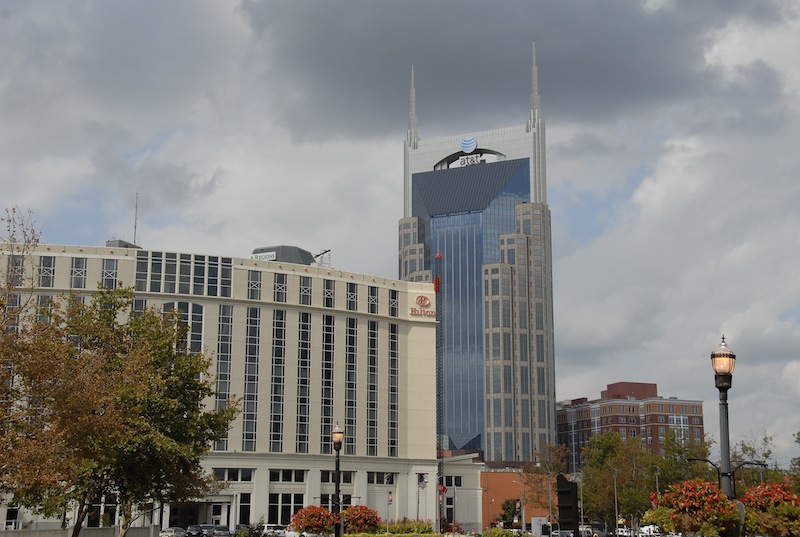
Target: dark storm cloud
(596, 60)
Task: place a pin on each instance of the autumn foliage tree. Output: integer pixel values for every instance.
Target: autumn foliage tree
(99, 400)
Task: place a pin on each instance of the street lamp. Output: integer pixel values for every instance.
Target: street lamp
(723, 361)
(657, 473)
(521, 483)
(616, 507)
(337, 436)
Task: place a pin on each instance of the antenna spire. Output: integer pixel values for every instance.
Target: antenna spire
(411, 136)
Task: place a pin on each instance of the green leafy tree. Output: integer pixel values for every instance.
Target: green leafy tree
(509, 511)
(105, 402)
(539, 477)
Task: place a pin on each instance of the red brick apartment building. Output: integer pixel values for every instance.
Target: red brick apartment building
(633, 409)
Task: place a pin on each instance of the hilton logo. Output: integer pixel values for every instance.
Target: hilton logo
(423, 302)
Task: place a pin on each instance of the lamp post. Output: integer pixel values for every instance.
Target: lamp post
(723, 361)
(657, 472)
(337, 436)
(521, 484)
(616, 507)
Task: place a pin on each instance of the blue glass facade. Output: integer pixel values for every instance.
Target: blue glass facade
(465, 211)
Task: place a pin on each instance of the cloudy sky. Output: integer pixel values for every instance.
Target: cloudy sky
(673, 155)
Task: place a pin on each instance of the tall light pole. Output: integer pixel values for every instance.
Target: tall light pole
(723, 361)
(521, 484)
(579, 479)
(337, 436)
(616, 505)
(657, 473)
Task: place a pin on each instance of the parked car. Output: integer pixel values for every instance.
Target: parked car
(194, 531)
(220, 531)
(207, 528)
(274, 530)
(172, 532)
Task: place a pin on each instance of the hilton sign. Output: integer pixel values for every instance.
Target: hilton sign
(422, 311)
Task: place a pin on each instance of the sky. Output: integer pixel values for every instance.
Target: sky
(673, 156)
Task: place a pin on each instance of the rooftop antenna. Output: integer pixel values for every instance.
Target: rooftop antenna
(324, 258)
(135, 218)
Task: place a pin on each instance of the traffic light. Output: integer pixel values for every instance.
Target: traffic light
(568, 513)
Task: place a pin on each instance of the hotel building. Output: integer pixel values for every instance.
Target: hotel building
(305, 347)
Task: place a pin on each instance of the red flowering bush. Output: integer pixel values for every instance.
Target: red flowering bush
(361, 519)
(772, 509)
(313, 519)
(693, 506)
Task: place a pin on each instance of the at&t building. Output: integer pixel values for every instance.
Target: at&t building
(479, 199)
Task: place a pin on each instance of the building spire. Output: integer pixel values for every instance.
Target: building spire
(536, 101)
(411, 136)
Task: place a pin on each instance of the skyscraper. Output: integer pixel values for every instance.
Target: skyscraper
(480, 200)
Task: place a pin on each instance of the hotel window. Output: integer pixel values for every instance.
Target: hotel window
(352, 296)
(373, 299)
(394, 368)
(140, 276)
(305, 290)
(350, 384)
(303, 381)
(329, 293)
(372, 389)
(280, 287)
(254, 285)
(192, 316)
(250, 398)
(287, 476)
(185, 274)
(170, 272)
(282, 506)
(108, 277)
(326, 396)
(44, 308)
(393, 302)
(78, 273)
(212, 282)
(226, 275)
(278, 380)
(244, 508)
(199, 286)
(47, 271)
(15, 270)
(12, 310)
(224, 359)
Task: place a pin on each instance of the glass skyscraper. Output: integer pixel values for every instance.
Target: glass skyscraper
(479, 201)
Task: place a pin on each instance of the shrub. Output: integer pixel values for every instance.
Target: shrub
(693, 506)
(361, 519)
(313, 519)
(772, 509)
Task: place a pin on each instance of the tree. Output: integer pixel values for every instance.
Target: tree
(613, 460)
(509, 511)
(105, 401)
(539, 477)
